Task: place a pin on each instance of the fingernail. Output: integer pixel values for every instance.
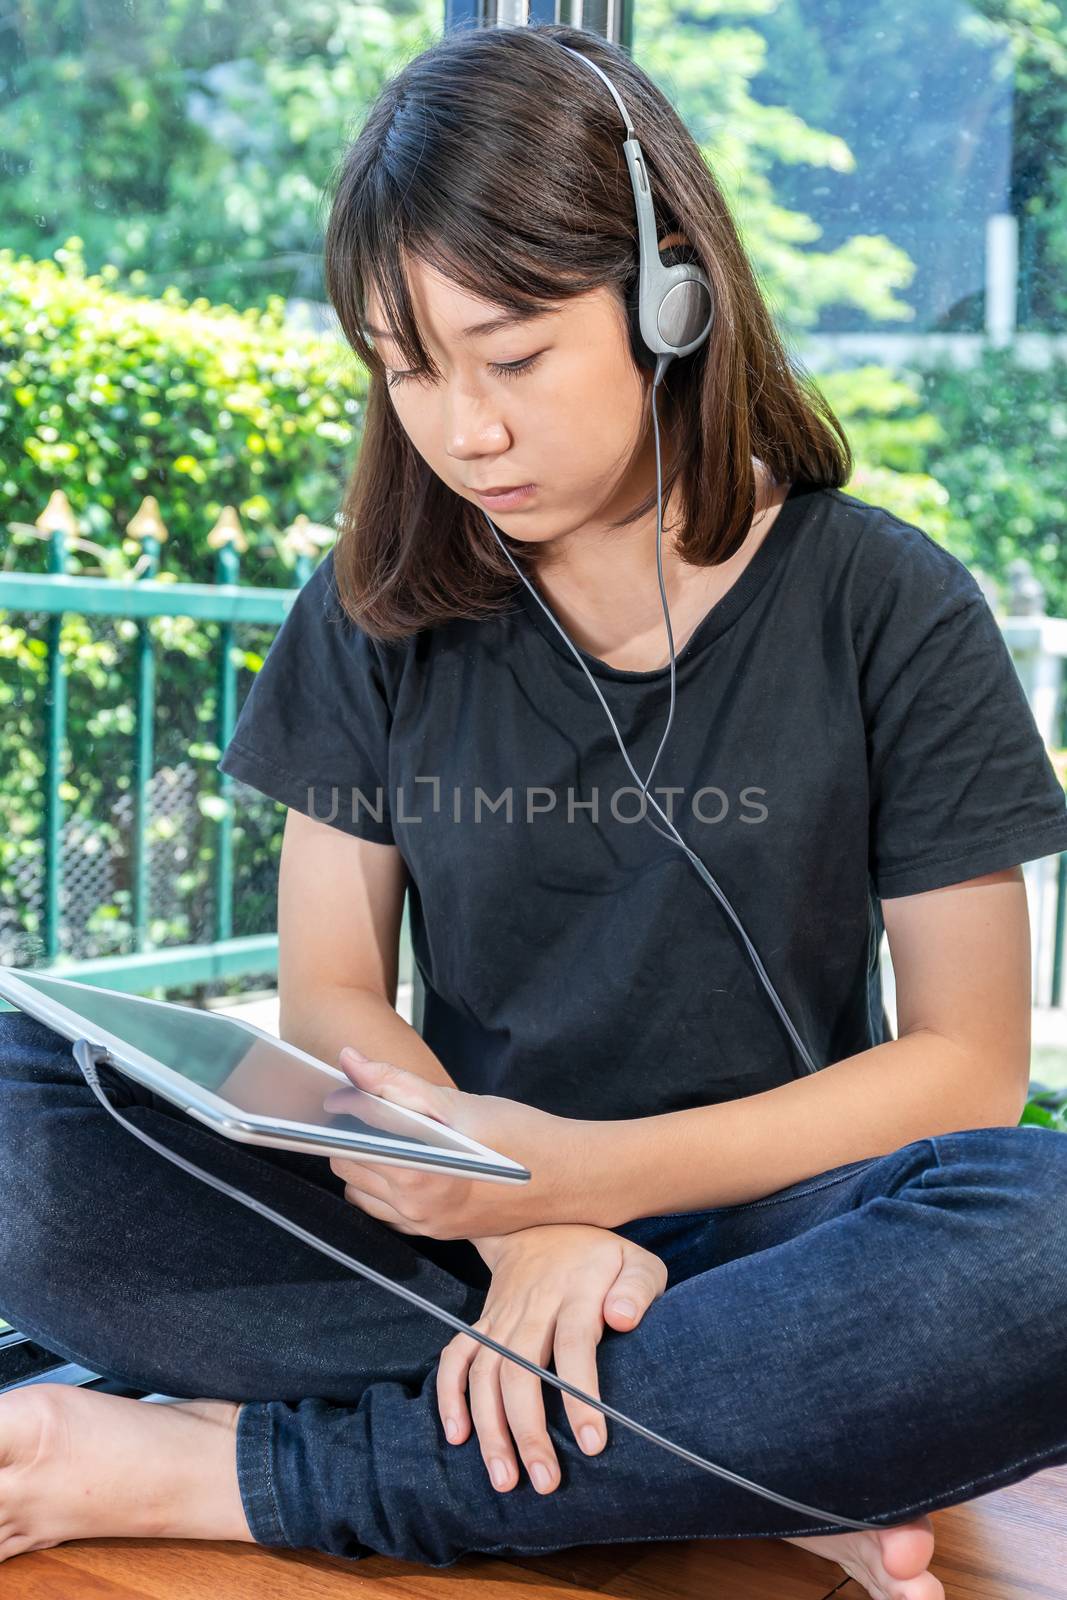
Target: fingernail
(451, 1428)
(625, 1308)
(589, 1437)
(542, 1478)
(498, 1471)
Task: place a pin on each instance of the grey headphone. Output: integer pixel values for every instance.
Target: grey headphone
(673, 309)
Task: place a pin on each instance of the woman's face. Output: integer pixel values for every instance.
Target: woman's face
(570, 416)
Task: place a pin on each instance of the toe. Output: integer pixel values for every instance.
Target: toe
(907, 1551)
(925, 1587)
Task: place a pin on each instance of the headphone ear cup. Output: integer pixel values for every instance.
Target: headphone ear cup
(671, 257)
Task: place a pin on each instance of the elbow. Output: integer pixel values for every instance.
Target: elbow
(1007, 1091)
(1001, 1111)
(1011, 1078)
(1016, 1106)
(995, 1085)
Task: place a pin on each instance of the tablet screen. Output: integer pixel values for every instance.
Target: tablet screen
(253, 1074)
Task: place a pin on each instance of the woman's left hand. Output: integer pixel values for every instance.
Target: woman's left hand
(560, 1152)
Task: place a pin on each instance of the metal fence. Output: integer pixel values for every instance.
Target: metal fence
(69, 869)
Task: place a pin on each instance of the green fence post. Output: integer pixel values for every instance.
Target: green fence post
(229, 543)
(1056, 997)
(146, 526)
(57, 521)
(306, 540)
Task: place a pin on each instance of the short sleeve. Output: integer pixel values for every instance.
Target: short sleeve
(313, 732)
(960, 782)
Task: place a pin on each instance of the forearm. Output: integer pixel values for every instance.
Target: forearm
(867, 1105)
(326, 1019)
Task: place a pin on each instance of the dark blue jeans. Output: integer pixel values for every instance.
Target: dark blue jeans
(880, 1340)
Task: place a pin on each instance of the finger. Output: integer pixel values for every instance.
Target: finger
(387, 1081)
(381, 1210)
(352, 1097)
(379, 1177)
(578, 1333)
(490, 1419)
(358, 1185)
(638, 1283)
(418, 1196)
(524, 1407)
(452, 1369)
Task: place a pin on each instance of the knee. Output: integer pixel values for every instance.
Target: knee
(1013, 1167)
(33, 1082)
(1041, 1167)
(27, 1046)
(1010, 1185)
(1030, 1160)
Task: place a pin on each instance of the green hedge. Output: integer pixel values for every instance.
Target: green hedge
(111, 397)
(115, 396)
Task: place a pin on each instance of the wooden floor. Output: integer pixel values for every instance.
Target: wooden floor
(1011, 1545)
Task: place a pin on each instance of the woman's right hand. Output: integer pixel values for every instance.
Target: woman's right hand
(554, 1289)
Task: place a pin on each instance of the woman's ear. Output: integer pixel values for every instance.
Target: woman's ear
(675, 241)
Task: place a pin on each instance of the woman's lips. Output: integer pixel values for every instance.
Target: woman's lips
(506, 502)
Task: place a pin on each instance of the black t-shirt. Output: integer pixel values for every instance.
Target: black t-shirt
(849, 726)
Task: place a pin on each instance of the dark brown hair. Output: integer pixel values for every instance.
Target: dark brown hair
(496, 158)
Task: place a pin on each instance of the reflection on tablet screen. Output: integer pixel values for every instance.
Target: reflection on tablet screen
(253, 1074)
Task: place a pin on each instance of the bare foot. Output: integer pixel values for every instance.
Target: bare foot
(890, 1564)
(79, 1464)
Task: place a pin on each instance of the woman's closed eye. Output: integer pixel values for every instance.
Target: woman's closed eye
(510, 369)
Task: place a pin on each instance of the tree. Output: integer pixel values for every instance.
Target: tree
(197, 148)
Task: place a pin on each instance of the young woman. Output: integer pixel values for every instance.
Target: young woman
(847, 1285)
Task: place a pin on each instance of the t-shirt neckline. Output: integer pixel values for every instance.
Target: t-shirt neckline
(722, 614)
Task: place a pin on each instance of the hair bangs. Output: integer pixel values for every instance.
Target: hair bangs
(482, 262)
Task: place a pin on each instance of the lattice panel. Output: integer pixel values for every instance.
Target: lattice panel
(96, 892)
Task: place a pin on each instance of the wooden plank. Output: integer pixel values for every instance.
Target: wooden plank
(1007, 1545)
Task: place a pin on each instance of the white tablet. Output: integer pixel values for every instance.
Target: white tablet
(246, 1084)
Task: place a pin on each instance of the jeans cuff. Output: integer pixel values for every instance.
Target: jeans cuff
(255, 1473)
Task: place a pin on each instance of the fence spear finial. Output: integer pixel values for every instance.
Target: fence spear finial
(228, 531)
(58, 516)
(147, 521)
(307, 538)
